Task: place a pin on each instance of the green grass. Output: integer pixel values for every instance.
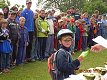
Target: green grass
(38, 70)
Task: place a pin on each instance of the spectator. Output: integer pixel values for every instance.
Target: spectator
(29, 23)
(13, 27)
(49, 43)
(42, 34)
(23, 42)
(5, 47)
(5, 12)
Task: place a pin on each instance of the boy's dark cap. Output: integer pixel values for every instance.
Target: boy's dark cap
(12, 12)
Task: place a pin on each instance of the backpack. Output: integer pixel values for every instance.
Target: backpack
(52, 69)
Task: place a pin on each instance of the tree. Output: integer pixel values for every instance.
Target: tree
(92, 5)
(4, 3)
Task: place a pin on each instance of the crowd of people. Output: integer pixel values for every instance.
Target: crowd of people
(27, 36)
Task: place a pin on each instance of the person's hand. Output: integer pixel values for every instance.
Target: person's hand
(97, 48)
(80, 58)
(27, 43)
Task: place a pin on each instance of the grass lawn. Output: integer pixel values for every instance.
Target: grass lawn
(38, 70)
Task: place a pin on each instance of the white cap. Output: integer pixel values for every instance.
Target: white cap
(64, 31)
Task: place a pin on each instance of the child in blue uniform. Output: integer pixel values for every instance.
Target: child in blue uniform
(5, 47)
(64, 62)
(23, 42)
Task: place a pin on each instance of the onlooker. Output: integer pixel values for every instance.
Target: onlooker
(13, 27)
(49, 43)
(42, 34)
(5, 47)
(84, 36)
(29, 23)
(23, 42)
(6, 12)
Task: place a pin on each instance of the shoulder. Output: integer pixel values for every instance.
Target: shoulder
(61, 52)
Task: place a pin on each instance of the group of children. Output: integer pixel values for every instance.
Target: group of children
(40, 29)
(7, 44)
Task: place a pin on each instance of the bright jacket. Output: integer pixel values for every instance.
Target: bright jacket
(42, 27)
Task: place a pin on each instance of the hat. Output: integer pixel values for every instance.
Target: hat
(12, 12)
(60, 20)
(28, 1)
(4, 21)
(64, 31)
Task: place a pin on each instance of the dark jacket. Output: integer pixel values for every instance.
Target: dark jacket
(65, 64)
(13, 28)
(2, 37)
(77, 34)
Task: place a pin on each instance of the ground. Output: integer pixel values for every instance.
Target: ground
(38, 70)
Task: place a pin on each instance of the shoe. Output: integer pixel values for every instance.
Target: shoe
(4, 71)
(33, 60)
(1, 72)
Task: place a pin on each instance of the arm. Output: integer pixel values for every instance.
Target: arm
(97, 48)
(64, 65)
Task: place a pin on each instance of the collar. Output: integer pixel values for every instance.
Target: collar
(65, 48)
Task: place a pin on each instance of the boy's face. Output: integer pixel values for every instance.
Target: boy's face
(66, 41)
(4, 25)
(22, 22)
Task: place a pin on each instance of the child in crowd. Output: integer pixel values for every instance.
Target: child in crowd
(84, 36)
(71, 26)
(5, 47)
(23, 42)
(77, 35)
(64, 63)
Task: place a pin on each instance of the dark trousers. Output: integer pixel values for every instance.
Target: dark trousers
(29, 47)
(15, 48)
(42, 47)
(5, 61)
(21, 54)
(76, 45)
(84, 43)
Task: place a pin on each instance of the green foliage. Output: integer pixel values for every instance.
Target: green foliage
(4, 3)
(95, 5)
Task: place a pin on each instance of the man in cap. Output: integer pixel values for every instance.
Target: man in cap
(29, 16)
(13, 28)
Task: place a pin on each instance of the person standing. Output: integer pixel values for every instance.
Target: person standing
(5, 46)
(42, 34)
(64, 64)
(23, 42)
(29, 23)
(13, 28)
(49, 44)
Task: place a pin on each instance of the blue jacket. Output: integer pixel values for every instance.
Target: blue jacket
(65, 64)
(23, 36)
(29, 16)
